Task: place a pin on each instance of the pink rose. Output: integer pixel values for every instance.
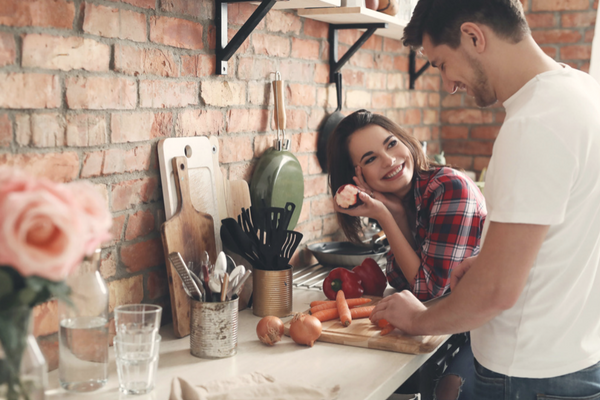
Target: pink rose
(99, 219)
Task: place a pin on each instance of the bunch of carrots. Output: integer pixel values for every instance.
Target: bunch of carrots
(346, 310)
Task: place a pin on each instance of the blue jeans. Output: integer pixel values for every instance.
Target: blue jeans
(580, 385)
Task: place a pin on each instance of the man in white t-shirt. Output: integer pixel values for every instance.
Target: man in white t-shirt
(531, 298)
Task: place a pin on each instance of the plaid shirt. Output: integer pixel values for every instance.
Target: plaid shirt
(450, 212)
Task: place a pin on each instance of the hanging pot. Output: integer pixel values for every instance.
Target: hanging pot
(278, 177)
(329, 124)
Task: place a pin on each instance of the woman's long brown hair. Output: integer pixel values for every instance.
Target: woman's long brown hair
(341, 169)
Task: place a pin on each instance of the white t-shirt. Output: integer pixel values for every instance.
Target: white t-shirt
(545, 170)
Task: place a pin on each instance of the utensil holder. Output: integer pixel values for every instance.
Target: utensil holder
(272, 292)
(214, 329)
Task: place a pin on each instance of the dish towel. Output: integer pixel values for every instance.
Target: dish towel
(247, 387)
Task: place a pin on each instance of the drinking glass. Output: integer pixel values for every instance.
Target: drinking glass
(137, 363)
(137, 323)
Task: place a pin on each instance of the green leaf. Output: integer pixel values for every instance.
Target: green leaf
(6, 283)
(26, 296)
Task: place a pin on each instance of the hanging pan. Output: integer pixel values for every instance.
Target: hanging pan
(329, 124)
(278, 178)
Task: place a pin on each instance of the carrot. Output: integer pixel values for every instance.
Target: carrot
(387, 329)
(351, 302)
(382, 323)
(332, 313)
(343, 308)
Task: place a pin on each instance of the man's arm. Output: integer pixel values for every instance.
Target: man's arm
(493, 283)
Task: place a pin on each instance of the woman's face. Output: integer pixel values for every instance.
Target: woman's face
(386, 163)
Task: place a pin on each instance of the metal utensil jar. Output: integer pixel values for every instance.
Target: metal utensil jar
(272, 292)
(214, 329)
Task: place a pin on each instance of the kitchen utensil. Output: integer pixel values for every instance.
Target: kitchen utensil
(200, 154)
(344, 254)
(237, 273)
(191, 233)
(184, 274)
(206, 281)
(329, 124)
(234, 291)
(221, 264)
(278, 176)
(224, 286)
(200, 284)
(214, 329)
(236, 238)
(292, 240)
(363, 333)
(230, 264)
(272, 292)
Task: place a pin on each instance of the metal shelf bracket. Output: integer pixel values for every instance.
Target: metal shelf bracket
(412, 66)
(334, 65)
(225, 50)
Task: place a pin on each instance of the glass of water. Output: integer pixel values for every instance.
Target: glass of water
(137, 363)
(137, 322)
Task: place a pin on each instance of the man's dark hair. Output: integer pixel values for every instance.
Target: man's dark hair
(441, 20)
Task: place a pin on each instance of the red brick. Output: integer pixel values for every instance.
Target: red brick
(384, 62)
(315, 186)
(541, 20)
(125, 291)
(559, 5)
(433, 100)
(418, 99)
(401, 64)
(86, 130)
(362, 60)
(308, 142)
(114, 23)
(422, 133)
(455, 132)
(353, 78)
(245, 120)
(428, 82)
(40, 130)
(468, 147)
(92, 164)
(412, 117)
(60, 167)
(252, 68)
(139, 3)
(142, 255)
(556, 36)
(38, 13)
(430, 117)
(480, 163)
(393, 46)
(176, 32)
(321, 206)
(578, 19)
(285, 22)
(321, 74)
(64, 53)
(199, 122)
(134, 61)
(464, 162)
(485, 132)
(238, 14)
(139, 224)
(376, 81)
(316, 29)
(259, 93)
(462, 116)
(167, 94)
(34, 91)
(140, 126)
(118, 161)
(589, 35)
(45, 318)
(235, 148)
(100, 93)
(382, 100)
(305, 49)
(223, 93)
(193, 8)
(117, 228)
(6, 135)
(300, 95)
(199, 65)
(108, 264)
(576, 52)
(131, 193)
(550, 51)
(158, 284)
(7, 49)
(401, 100)
(271, 45)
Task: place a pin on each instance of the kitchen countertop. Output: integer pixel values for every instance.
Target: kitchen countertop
(361, 373)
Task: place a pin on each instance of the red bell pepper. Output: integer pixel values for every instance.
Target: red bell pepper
(373, 279)
(342, 279)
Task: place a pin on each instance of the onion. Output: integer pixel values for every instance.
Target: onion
(305, 329)
(269, 330)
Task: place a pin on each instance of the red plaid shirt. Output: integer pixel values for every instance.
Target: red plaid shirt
(450, 215)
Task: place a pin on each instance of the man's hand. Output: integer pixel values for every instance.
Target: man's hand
(460, 270)
(401, 310)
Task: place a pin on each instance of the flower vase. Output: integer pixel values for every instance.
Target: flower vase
(23, 370)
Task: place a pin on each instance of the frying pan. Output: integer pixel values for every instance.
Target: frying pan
(329, 124)
(345, 254)
(278, 177)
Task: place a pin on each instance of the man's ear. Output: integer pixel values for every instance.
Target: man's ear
(473, 36)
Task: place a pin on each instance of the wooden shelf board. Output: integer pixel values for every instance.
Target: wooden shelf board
(356, 15)
(300, 4)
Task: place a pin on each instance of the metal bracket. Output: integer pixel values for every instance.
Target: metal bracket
(334, 64)
(412, 65)
(223, 50)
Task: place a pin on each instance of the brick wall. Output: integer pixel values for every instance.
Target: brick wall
(88, 88)
(564, 29)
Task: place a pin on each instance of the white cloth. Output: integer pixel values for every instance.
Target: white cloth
(595, 59)
(247, 387)
(545, 170)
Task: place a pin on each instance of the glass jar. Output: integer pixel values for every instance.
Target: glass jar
(19, 351)
(83, 333)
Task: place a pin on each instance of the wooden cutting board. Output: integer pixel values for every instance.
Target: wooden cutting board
(363, 333)
(189, 232)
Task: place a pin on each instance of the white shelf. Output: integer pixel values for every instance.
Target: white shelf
(298, 4)
(357, 15)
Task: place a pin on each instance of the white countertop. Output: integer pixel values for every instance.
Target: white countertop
(361, 373)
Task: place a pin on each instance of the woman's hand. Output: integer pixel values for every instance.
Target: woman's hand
(370, 207)
(391, 202)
